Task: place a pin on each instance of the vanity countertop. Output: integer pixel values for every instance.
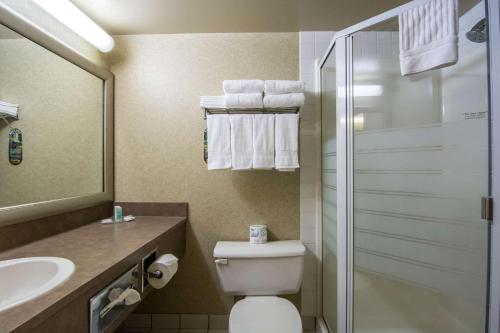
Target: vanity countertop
(99, 251)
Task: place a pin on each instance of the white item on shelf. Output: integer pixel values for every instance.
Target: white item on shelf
(107, 221)
(243, 86)
(428, 36)
(258, 234)
(167, 266)
(286, 141)
(241, 141)
(8, 109)
(284, 100)
(277, 87)
(243, 101)
(129, 218)
(219, 141)
(216, 102)
(263, 141)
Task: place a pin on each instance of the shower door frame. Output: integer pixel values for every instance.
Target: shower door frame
(342, 42)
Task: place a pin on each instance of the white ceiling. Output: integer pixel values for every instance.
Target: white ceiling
(120, 17)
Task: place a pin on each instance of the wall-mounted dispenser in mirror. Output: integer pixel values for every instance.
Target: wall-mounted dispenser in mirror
(66, 105)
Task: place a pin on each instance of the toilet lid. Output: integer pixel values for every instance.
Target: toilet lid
(264, 314)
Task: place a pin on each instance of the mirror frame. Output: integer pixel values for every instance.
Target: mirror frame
(25, 212)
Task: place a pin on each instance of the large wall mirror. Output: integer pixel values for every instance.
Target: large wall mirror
(65, 124)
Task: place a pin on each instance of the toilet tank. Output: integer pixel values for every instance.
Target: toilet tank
(273, 268)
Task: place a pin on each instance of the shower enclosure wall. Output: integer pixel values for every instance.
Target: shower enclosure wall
(405, 164)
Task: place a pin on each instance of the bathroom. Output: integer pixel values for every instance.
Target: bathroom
(378, 216)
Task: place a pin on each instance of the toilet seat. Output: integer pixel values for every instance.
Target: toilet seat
(264, 314)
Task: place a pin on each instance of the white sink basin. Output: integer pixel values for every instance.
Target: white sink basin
(27, 278)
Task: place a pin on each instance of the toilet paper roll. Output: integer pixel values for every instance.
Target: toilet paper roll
(258, 234)
(167, 266)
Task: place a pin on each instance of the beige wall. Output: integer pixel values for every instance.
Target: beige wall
(159, 142)
(61, 120)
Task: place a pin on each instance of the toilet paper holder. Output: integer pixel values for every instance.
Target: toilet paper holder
(155, 275)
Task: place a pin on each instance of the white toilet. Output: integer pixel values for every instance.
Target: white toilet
(261, 272)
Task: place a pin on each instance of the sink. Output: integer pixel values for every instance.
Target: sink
(24, 279)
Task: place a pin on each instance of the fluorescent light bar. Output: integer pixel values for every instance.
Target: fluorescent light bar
(68, 14)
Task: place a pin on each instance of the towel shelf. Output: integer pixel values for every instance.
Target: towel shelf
(249, 111)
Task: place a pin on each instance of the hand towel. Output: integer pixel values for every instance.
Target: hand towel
(243, 86)
(244, 101)
(219, 141)
(286, 141)
(263, 141)
(276, 87)
(241, 141)
(284, 100)
(428, 36)
(215, 102)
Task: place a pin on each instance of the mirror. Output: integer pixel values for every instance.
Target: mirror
(62, 120)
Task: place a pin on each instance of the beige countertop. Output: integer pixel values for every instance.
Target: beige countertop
(96, 250)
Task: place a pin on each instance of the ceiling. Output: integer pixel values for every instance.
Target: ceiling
(124, 17)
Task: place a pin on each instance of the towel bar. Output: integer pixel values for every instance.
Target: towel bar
(248, 111)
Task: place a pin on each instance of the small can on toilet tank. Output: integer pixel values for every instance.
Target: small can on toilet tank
(258, 234)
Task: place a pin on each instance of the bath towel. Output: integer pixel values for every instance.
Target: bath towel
(286, 141)
(219, 141)
(263, 141)
(284, 100)
(243, 86)
(243, 101)
(214, 102)
(428, 36)
(276, 87)
(241, 141)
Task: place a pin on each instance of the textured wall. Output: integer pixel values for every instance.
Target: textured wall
(61, 120)
(159, 133)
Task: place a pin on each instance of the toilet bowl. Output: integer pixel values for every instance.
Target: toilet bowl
(261, 272)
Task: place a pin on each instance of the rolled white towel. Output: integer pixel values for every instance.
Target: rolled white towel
(243, 86)
(243, 101)
(277, 87)
(284, 100)
(216, 102)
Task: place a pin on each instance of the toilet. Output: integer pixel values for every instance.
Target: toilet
(261, 272)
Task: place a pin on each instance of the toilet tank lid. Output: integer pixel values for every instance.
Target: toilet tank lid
(288, 248)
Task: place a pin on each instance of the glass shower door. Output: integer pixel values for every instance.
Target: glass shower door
(329, 190)
(420, 159)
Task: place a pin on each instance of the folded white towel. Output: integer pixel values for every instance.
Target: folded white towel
(428, 36)
(241, 141)
(276, 87)
(243, 86)
(216, 102)
(286, 140)
(219, 141)
(284, 100)
(244, 101)
(263, 141)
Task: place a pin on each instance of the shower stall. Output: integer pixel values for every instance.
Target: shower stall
(407, 180)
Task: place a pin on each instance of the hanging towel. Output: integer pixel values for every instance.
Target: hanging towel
(286, 140)
(243, 86)
(428, 36)
(241, 141)
(284, 100)
(219, 141)
(215, 102)
(244, 101)
(263, 141)
(276, 87)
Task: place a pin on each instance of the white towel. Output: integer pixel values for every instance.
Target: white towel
(243, 86)
(241, 141)
(286, 140)
(428, 36)
(263, 141)
(276, 87)
(215, 102)
(244, 101)
(219, 141)
(284, 100)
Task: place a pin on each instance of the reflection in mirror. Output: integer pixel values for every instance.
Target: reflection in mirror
(61, 121)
